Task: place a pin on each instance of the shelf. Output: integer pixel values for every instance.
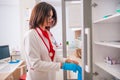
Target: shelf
(110, 44)
(75, 29)
(111, 19)
(112, 69)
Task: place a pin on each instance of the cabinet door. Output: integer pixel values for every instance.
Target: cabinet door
(87, 40)
(70, 18)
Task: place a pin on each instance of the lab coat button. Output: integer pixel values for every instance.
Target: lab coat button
(51, 54)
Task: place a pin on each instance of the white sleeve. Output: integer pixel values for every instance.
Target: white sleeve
(60, 58)
(33, 57)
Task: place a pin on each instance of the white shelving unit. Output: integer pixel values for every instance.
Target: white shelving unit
(109, 44)
(106, 39)
(112, 69)
(113, 18)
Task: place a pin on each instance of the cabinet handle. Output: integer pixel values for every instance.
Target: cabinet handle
(88, 65)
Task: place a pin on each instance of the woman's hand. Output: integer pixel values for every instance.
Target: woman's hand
(61, 64)
(71, 61)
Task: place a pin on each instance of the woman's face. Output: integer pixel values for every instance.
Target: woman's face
(49, 19)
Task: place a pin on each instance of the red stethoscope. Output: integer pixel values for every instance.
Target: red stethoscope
(51, 51)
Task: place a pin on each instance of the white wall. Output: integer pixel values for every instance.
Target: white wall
(25, 6)
(13, 22)
(9, 23)
(57, 30)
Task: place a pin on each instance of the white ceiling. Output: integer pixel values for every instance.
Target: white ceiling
(9, 2)
(53, 2)
(58, 2)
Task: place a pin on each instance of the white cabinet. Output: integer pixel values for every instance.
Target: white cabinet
(106, 39)
(74, 15)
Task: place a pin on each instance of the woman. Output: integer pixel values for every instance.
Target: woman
(42, 61)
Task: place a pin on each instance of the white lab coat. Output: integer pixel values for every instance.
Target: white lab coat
(39, 64)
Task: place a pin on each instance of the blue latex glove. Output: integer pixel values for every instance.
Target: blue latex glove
(73, 67)
(79, 72)
(69, 66)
